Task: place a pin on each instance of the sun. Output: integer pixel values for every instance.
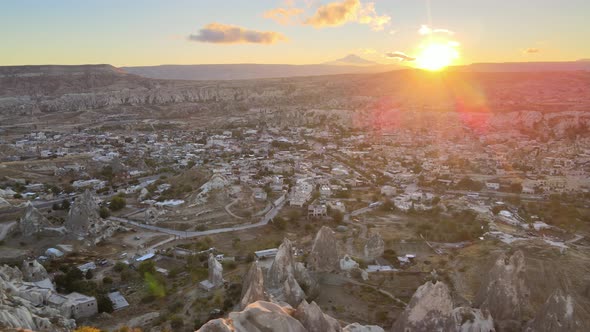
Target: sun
(437, 56)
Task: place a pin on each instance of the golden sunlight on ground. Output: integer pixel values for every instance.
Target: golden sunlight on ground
(436, 56)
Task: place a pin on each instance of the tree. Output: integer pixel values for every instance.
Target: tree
(65, 204)
(117, 203)
(104, 303)
(104, 212)
(146, 267)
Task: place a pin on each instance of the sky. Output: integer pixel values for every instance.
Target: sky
(153, 32)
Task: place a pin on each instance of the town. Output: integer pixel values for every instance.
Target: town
(109, 224)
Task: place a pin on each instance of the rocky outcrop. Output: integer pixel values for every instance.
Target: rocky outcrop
(215, 271)
(33, 271)
(151, 215)
(465, 319)
(314, 320)
(348, 264)
(257, 317)
(264, 316)
(253, 286)
(18, 312)
(374, 247)
(505, 294)
(561, 312)
(83, 218)
(356, 327)
(431, 309)
(32, 222)
(324, 252)
(84, 221)
(281, 281)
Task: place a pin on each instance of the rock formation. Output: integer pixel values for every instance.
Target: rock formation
(83, 218)
(374, 247)
(348, 264)
(324, 252)
(356, 327)
(561, 312)
(151, 215)
(264, 316)
(32, 222)
(431, 309)
(23, 309)
(505, 294)
(253, 286)
(314, 320)
(281, 280)
(257, 317)
(33, 271)
(215, 271)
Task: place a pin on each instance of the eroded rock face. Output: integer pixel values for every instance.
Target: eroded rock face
(83, 218)
(430, 309)
(314, 320)
(282, 283)
(18, 312)
(348, 264)
(257, 317)
(561, 312)
(374, 247)
(253, 289)
(282, 265)
(467, 319)
(505, 294)
(215, 271)
(32, 222)
(264, 316)
(356, 327)
(324, 252)
(84, 221)
(33, 271)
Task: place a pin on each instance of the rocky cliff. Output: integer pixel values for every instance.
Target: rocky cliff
(374, 247)
(264, 316)
(561, 312)
(19, 308)
(431, 309)
(324, 254)
(506, 294)
(215, 270)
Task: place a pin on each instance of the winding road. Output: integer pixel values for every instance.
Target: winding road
(191, 234)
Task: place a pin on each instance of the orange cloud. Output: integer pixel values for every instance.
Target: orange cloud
(339, 13)
(230, 34)
(531, 50)
(283, 16)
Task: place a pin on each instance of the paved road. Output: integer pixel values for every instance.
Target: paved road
(186, 234)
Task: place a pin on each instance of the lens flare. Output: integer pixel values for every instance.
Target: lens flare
(437, 56)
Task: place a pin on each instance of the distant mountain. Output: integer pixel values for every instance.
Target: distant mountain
(250, 71)
(352, 60)
(526, 66)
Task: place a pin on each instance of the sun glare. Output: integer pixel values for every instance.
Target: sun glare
(437, 56)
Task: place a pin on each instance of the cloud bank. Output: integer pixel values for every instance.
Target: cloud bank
(230, 34)
(400, 56)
